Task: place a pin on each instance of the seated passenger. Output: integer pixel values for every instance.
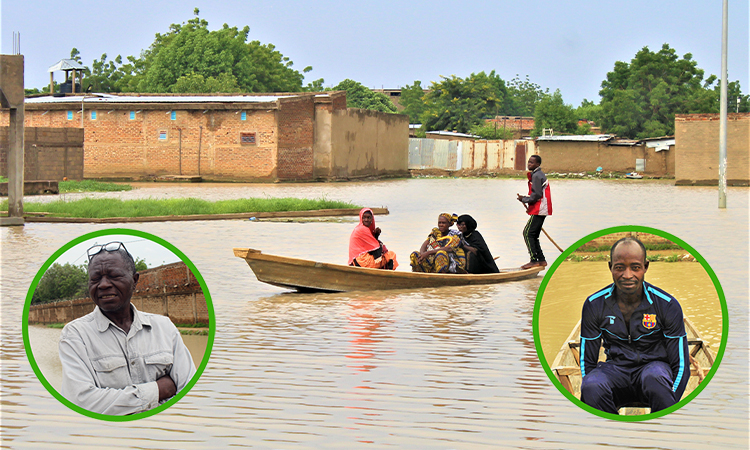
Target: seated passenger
(441, 252)
(365, 250)
(478, 256)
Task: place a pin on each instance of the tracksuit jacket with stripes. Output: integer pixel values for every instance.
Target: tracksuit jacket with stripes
(656, 332)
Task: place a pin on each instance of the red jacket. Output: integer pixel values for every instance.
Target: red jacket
(539, 200)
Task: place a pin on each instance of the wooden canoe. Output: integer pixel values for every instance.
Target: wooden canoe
(566, 366)
(311, 276)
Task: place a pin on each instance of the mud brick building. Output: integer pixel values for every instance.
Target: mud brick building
(234, 137)
(697, 160)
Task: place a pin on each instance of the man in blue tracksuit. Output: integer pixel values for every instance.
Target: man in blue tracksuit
(643, 334)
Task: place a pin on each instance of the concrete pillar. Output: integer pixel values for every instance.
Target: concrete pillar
(12, 98)
(15, 163)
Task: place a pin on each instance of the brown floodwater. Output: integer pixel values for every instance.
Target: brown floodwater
(432, 368)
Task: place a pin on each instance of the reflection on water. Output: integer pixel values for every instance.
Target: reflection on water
(433, 368)
(572, 282)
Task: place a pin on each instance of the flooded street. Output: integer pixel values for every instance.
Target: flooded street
(435, 368)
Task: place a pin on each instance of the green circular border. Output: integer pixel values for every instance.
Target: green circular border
(209, 306)
(724, 320)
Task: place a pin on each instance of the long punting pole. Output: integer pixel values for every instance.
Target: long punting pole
(723, 112)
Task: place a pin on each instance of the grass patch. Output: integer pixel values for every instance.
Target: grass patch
(649, 247)
(91, 186)
(3, 179)
(191, 325)
(676, 257)
(90, 208)
(194, 332)
(55, 325)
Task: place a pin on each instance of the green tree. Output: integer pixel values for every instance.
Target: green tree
(197, 83)
(140, 264)
(641, 98)
(552, 112)
(523, 96)
(458, 104)
(589, 110)
(358, 96)
(491, 131)
(412, 99)
(190, 58)
(61, 282)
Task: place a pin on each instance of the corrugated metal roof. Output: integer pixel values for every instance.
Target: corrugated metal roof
(578, 138)
(66, 64)
(452, 133)
(106, 98)
(625, 142)
(660, 143)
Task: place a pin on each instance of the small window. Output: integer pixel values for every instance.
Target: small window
(243, 116)
(132, 115)
(162, 135)
(247, 138)
(70, 115)
(93, 115)
(174, 115)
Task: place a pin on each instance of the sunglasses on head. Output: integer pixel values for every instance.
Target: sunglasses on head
(109, 247)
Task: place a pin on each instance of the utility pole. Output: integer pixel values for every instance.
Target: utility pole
(723, 111)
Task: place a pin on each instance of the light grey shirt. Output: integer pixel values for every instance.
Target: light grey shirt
(110, 372)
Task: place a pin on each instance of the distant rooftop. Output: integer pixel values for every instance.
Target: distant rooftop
(579, 138)
(66, 64)
(109, 98)
(452, 133)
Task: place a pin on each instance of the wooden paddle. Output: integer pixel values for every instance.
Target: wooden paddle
(543, 230)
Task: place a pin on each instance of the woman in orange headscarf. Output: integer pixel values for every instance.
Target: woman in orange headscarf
(365, 250)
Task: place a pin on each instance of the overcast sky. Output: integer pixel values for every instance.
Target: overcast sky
(560, 45)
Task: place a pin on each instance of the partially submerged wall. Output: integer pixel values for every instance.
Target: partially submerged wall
(697, 142)
(578, 156)
(49, 153)
(362, 143)
(469, 155)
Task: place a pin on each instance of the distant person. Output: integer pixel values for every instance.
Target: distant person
(365, 250)
(642, 330)
(441, 252)
(538, 205)
(478, 256)
(118, 360)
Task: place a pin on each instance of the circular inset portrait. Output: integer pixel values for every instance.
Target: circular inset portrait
(118, 324)
(630, 323)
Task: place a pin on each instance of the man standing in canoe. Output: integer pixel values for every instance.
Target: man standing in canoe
(644, 338)
(538, 206)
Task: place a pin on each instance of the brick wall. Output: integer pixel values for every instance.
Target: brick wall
(170, 290)
(117, 146)
(295, 118)
(697, 143)
(49, 153)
